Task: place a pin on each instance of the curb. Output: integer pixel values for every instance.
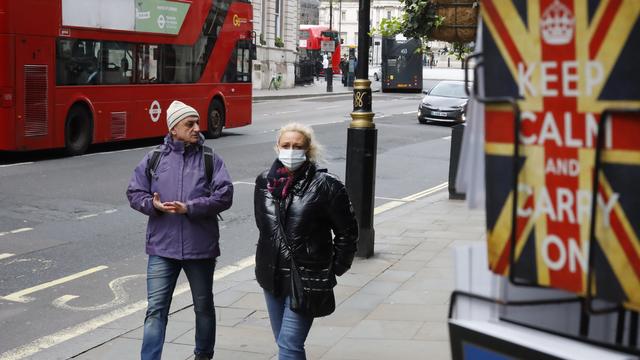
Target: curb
(301, 96)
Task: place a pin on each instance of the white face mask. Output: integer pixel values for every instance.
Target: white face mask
(292, 158)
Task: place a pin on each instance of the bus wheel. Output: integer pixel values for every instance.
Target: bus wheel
(215, 120)
(77, 130)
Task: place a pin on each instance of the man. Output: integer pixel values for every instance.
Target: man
(325, 66)
(182, 201)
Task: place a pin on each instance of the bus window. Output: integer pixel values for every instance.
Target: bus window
(116, 63)
(239, 66)
(77, 62)
(148, 56)
(177, 64)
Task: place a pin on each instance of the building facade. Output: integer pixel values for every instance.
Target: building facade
(309, 12)
(345, 18)
(275, 23)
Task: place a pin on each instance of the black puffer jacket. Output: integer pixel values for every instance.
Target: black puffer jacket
(317, 205)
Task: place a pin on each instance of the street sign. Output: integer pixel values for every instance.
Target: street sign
(564, 72)
(328, 45)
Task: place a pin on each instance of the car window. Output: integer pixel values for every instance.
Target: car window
(449, 89)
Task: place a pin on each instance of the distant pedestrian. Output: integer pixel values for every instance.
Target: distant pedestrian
(344, 68)
(182, 201)
(298, 206)
(318, 69)
(325, 65)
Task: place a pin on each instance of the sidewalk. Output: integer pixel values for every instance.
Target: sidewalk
(391, 306)
(317, 88)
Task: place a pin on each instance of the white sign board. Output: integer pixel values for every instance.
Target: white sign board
(98, 14)
(328, 45)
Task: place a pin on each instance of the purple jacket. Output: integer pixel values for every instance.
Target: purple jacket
(180, 176)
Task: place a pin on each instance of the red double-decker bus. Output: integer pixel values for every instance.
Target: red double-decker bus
(80, 72)
(310, 38)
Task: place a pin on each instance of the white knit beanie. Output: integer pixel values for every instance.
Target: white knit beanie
(178, 111)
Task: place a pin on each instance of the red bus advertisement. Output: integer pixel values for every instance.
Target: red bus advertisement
(310, 38)
(80, 72)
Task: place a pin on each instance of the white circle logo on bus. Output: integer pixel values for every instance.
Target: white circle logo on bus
(155, 111)
(161, 21)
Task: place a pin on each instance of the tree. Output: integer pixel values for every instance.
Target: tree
(418, 20)
(460, 51)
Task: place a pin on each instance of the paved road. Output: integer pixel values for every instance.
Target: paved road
(71, 249)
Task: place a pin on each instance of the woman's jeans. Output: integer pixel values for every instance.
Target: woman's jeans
(162, 275)
(289, 328)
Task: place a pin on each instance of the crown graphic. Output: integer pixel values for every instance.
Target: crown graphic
(557, 24)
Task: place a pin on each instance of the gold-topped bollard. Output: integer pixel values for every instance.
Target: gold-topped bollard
(362, 117)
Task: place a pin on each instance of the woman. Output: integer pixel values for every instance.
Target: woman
(297, 207)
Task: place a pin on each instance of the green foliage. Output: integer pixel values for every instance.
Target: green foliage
(460, 50)
(278, 42)
(418, 20)
(388, 27)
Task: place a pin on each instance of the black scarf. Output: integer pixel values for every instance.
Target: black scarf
(280, 180)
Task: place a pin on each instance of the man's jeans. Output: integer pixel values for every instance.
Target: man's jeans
(289, 328)
(162, 274)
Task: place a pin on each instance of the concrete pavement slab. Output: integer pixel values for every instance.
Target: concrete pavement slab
(379, 349)
(251, 301)
(433, 331)
(385, 329)
(421, 297)
(409, 312)
(129, 349)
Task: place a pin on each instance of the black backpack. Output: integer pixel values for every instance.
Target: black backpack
(156, 154)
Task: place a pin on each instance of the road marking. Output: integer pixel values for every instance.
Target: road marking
(116, 151)
(286, 112)
(71, 332)
(328, 107)
(16, 164)
(20, 297)
(16, 231)
(394, 204)
(6, 255)
(110, 211)
(117, 288)
(86, 216)
(410, 112)
(446, 138)
(392, 199)
(243, 183)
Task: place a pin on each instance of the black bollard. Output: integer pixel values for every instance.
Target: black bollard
(457, 131)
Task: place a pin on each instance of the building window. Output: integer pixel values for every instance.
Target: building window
(263, 19)
(388, 14)
(344, 15)
(278, 18)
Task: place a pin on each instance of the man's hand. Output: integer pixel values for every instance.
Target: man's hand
(170, 207)
(176, 207)
(158, 204)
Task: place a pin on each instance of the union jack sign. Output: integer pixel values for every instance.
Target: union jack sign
(565, 62)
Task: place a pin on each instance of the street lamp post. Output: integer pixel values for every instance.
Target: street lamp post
(362, 138)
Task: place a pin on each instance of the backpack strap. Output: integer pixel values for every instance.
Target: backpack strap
(207, 152)
(153, 161)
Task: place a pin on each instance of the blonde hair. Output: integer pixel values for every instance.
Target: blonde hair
(314, 149)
